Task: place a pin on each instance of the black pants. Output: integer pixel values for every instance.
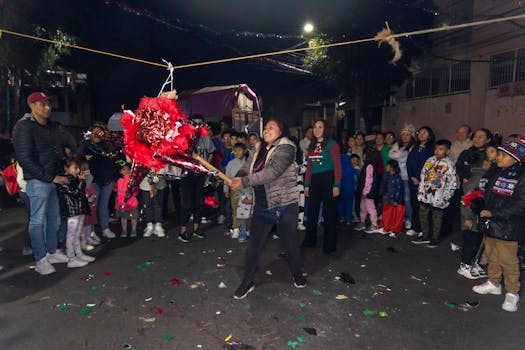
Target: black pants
(321, 192)
(471, 245)
(416, 222)
(191, 188)
(174, 186)
(450, 218)
(288, 237)
(153, 206)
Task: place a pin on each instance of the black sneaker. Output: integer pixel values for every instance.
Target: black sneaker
(198, 234)
(421, 240)
(433, 243)
(185, 237)
(299, 281)
(244, 289)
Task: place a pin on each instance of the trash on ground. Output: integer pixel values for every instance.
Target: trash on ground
(300, 316)
(87, 277)
(62, 307)
(449, 304)
(228, 338)
(341, 297)
(301, 339)
(412, 277)
(468, 306)
(86, 310)
(454, 247)
(347, 278)
(175, 282)
(94, 288)
(368, 312)
(127, 346)
(106, 273)
(222, 285)
(168, 337)
(317, 292)
(268, 272)
(222, 261)
(158, 311)
(231, 345)
(383, 314)
(292, 344)
(148, 299)
(302, 304)
(196, 285)
(311, 331)
(141, 267)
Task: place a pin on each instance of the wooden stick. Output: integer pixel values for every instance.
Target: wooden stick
(212, 168)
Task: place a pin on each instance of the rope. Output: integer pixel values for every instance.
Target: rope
(275, 53)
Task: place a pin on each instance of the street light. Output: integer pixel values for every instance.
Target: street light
(308, 28)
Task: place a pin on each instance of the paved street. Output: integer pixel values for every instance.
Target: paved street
(403, 297)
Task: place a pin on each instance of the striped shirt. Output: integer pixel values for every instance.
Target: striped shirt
(322, 160)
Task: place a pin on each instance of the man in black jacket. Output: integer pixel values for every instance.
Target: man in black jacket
(39, 151)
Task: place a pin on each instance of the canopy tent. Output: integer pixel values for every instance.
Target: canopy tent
(114, 122)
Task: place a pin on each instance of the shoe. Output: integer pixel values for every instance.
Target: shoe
(86, 246)
(244, 289)
(86, 258)
(420, 234)
(392, 234)
(94, 236)
(133, 234)
(108, 233)
(205, 220)
(466, 271)
(479, 271)
(228, 232)
(243, 237)
(408, 224)
(421, 240)
(123, 234)
(198, 234)
(411, 232)
(433, 243)
(26, 251)
(299, 281)
(185, 237)
(487, 288)
(92, 240)
(511, 302)
(221, 219)
(235, 233)
(382, 231)
(275, 236)
(360, 227)
(57, 257)
(159, 230)
(301, 227)
(148, 231)
(44, 267)
(374, 229)
(76, 262)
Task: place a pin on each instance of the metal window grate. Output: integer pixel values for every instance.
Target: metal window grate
(520, 65)
(440, 80)
(422, 84)
(501, 68)
(460, 77)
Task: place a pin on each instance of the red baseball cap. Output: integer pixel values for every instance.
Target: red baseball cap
(39, 97)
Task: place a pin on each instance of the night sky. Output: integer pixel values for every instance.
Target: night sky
(200, 30)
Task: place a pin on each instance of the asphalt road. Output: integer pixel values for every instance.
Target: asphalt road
(403, 297)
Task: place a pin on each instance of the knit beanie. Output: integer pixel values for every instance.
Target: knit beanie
(515, 149)
(411, 129)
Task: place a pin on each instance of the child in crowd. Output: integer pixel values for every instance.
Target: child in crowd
(355, 161)
(391, 187)
(88, 237)
(368, 190)
(232, 168)
(153, 188)
(244, 212)
(436, 187)
(472, 238)
(345, 201)
(503, 222)
(73, 206)
(126, 209)
(350, 145)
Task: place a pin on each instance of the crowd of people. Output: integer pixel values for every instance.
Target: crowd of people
(407, 183)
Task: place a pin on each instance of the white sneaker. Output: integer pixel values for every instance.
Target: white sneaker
(228, 232)
(235, 233)
(76, 262)
(487, 288)
(466, 271)
(159, 231)
(108, 233)
(408, 224)
(94, 236)
(43, 267)
(411, 233)
(86, 258)
(301, 227)
(511, 302)
(221, 219)
(57, 257)
(86, 246)
(478, 271)
(360, 227)
(205, 220)
(148, 231)
(92, 241)
(374, 229)
(382, 231)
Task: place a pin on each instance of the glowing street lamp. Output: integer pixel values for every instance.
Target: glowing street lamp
(308, 28)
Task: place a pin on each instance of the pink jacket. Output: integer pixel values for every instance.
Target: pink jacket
(369, 180)
(132, 202)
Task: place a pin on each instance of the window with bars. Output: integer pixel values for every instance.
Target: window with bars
(507, 67)
(439, 81)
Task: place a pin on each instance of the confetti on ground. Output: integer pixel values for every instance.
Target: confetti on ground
(300, 316)
(454, 247)
(106, 273)
(62, 307)
(317, 292)
(222, 285)
(301, 339)
(228, 338)
(383, 314)
(168, 338)
(148, 319)
(341, 297)
(368, 312)
(414, 278)
(302, 304)
(141, 267)
(468, 306)
(449, 305)
(175, 282)
(94, 288)
(87, 277)
(158, 311)
(268, 272)
(311, 331)
(86, 310)
(196, 285)
(292, 344)
(148, 299)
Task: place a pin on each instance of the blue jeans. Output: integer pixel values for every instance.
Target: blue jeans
(44, 218)
(345, 205)
(406, 197)
(103, 192)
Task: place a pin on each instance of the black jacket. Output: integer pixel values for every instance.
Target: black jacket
(72, 198)
(505, 199)
(467, 159)
(39, 149)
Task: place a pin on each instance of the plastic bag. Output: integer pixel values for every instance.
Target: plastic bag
(393, 218)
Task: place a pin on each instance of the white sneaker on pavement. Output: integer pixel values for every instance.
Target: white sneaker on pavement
(57, 257)
(511, 302)
(159, 231)
(466, 271)
(43, 267)
(411, 233)
(301, 227)
(76, 262)
(108, 233)
(86, 246)
(487, 288)
(374, 229)
(148, 231)
(235, 233)
(86, 258)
